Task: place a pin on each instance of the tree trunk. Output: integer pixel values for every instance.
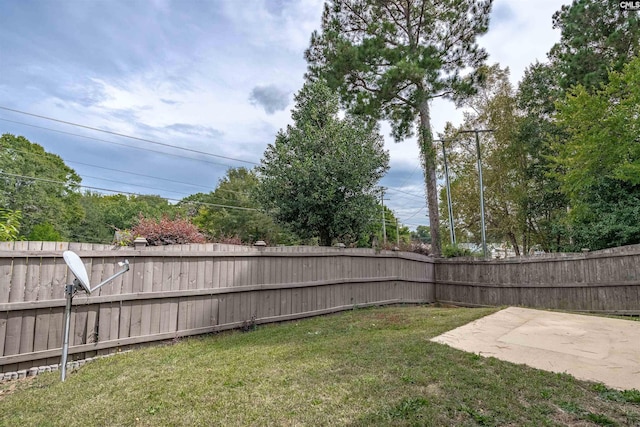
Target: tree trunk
(428, 153)
(514, 242)
(325, 238)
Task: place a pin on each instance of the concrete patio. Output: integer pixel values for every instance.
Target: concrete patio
(588, 347)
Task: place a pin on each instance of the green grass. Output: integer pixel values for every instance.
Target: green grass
(359, 368)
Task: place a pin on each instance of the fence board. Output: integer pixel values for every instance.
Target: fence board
(202, 288)
(3, 330)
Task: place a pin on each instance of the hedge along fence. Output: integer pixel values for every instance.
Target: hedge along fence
(606, 281)
(175, 291)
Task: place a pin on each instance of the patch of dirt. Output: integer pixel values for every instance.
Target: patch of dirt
(570, 420)
(9, 387)
(432, 389)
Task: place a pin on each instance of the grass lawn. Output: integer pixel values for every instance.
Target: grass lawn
(358, 368)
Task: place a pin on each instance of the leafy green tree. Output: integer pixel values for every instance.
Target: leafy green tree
(247, 222)
(609, 218)
(9, 225)
(603, 130)
(596, 37)
(104, 214)
(39, 185)
(389, 59)
(503, 160)
(602, 155)
(44, 233)
(422, 234)
(319, 176)
(544, 204)
(375, 233)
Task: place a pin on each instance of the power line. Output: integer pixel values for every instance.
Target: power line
(410, 176)
(140, 148)
(126, 136)
(150, 188)
(416, 213)
(134, 173)
(404, 192)
(136, 185)
(123, 192)
(115, 143)
(127, 172)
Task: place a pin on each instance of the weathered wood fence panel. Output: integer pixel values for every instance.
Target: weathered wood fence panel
(171, 292)
(176, 291)
(602, 281)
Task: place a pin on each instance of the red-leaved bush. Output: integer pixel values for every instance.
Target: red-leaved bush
(167, 231)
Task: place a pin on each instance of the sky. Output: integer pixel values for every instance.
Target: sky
(214, 77)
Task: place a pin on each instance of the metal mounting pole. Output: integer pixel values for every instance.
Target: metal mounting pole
(384, 226)
(81, 282)
(69, 291)
(482, 224)
(484, 236)
(452, 232)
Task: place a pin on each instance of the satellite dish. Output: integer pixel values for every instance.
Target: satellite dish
(81, 282)
(77, 267)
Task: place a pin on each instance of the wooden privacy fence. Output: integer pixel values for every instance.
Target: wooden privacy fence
(175, 291)
(606, 281)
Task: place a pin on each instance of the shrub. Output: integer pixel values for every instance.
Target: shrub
(451, 251)
(44, 232)
(167, 231)
(9, 225)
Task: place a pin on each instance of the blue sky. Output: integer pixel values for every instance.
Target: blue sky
(214, 76)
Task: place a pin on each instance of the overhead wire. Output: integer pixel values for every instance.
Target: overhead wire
(124, 192)
(115, 143)
(416, 213)
(395, 189)
(127, 172)
(410, 176)
(141, 139)
(405, 192)
(150, 141)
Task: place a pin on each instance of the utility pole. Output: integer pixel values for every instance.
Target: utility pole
(397, 234)
(452, 232)
(384, 226)
(482, 224)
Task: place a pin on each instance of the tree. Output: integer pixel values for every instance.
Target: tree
(375, 234)
(597, 36)
(503, 163)
(599, 162)
(422, 234)
(104, 214)
(39, 184)
(603, 130)
(9, 225)
(247, 222)
(319, 176)
(389, 59)
(44, 232)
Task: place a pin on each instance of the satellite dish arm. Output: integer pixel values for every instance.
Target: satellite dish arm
(119, 273)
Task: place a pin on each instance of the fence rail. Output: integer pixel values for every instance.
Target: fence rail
(175, 291)
(606, 281)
